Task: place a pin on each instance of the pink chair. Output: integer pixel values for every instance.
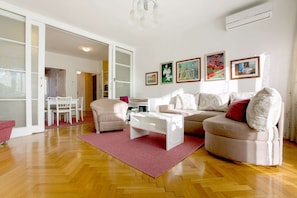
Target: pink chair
(5, 130)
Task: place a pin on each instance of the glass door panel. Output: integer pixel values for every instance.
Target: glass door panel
(14, 110)
(123, 57)
(21, 72)
(123, 89)
(122, 73)
(12, 68)
(12, 55)
(37, 75)
(12, 85)
(14, 26)
(34, 74)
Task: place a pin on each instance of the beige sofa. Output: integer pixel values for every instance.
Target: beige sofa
(257, 137)
(197, 107)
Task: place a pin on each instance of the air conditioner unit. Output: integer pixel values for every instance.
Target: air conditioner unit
(251, 15)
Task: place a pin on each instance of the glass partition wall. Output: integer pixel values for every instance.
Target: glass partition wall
(21, 76)
(123, 73)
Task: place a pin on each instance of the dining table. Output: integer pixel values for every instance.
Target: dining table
(51, 104)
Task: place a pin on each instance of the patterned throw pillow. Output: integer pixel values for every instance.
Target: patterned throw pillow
(237, 110)
(186, 102)
(264, 109)
(213, 102)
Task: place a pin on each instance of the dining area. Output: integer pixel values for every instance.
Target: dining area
(64, 109)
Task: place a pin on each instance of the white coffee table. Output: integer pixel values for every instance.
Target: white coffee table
(171, 125)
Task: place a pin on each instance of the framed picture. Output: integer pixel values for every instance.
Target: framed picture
(167, 72)
(151, 78)
(215, 66)
(188, 70)
(245, 68)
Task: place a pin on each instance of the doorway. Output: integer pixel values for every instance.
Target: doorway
(86, 88)
(55, 82)
(65, 50)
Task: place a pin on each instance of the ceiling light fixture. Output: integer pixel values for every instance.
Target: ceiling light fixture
(86, 49)
(144, 13)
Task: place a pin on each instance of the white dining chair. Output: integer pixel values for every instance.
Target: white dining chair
(63, 107)
(80, 107)
(48, 109)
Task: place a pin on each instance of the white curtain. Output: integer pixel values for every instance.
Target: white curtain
(291, 131)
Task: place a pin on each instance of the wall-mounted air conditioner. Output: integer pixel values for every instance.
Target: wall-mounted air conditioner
(251, 15)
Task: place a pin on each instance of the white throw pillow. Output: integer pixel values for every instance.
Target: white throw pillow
(186, 102)
(213, 102)
(264, 109)
(241, 96)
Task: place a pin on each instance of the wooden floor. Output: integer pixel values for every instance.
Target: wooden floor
(57, 163)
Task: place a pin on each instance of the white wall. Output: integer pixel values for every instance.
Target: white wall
(72, 64)
(271, 39)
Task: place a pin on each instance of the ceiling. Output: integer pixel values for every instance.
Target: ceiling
(63, 42)
(109, 19)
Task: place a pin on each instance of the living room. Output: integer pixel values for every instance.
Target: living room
(272, 40)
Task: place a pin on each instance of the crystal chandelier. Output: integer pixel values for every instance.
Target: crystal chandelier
(144, 13)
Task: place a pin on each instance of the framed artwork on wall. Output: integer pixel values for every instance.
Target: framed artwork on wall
(151, 78)
(188, 70)
(245, 68)
(215, 66)
(166, 72)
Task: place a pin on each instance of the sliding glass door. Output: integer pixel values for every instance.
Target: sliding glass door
(21, 72)
(122, 73)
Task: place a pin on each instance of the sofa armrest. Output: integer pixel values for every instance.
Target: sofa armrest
(166, 107)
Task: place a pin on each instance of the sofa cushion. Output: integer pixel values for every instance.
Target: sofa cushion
(213, 102)
(222, 126)
(264, 109)
(199, 116)
(237, 110)
(186, 102)
(179, 111)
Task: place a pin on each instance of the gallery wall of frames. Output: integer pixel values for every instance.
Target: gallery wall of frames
(189, 70)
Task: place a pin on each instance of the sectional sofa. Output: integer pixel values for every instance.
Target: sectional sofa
(240, 126)
(197, 107)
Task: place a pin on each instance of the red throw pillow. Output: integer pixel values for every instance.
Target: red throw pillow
(237, 110)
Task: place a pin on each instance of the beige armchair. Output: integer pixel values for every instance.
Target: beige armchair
(109, 114)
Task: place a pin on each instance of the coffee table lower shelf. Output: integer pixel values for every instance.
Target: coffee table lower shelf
(171, 125)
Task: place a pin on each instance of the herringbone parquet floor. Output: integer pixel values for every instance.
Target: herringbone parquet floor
(57, 163)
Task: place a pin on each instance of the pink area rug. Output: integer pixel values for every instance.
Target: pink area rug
(147, 153)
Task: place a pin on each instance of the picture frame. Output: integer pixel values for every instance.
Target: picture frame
(188, 70)
(166, 72)
(215, 66)
(151, 78)
(245, 68)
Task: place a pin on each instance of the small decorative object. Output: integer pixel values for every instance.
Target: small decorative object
(215, 66)
(151, 78)
(245, 68)
(167, 72)
(188, 70)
